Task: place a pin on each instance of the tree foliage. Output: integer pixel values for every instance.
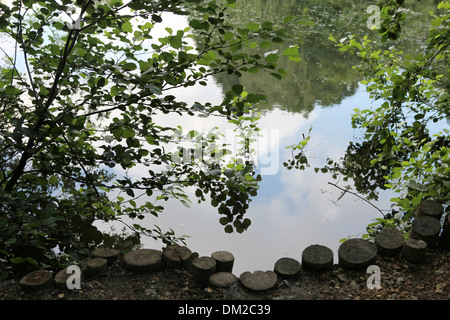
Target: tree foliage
(404, 144)
(80, 97)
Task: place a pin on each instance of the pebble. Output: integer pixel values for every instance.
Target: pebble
(354, 285)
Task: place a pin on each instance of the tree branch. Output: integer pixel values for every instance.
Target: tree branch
(357, 195)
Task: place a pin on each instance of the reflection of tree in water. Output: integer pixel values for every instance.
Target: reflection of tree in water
(324, 76)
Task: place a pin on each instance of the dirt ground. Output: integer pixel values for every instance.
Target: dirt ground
(400, 280)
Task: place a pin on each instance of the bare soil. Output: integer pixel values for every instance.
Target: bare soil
(400, 280)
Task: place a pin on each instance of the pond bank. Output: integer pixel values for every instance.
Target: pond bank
(400, 280)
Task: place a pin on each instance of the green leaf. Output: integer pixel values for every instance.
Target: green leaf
(252, 26)
(53, 180)
(129, 66)
(175, 42)
(114, 91)
(127, 27)
(237, 89)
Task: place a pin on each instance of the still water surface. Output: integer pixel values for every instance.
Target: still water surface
(293, 209)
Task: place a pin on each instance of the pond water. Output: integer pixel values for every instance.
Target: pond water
(293, 209)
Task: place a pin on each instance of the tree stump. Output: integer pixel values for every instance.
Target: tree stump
(427, 229)
(389, 242)
(356, 254)
(222, 279)
(224, 261)
(430, 208)
(444, 240)
(36, 280)
(317, 257)
(202, 268)
(96, 266)
(414, 250)
(259, 280)
(61, 278)
(287, 268)
(175, 256)
(110, 255)
(143, 260)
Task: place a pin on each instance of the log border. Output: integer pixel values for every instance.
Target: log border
(418, 247)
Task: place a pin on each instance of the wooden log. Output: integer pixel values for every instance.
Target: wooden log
(317, 257)
(444, 240)
(224, 261)
(430, 208)
(427, 229)
(259, 280)
(202, 268)
(414, 250)
(175, 256)
(110, 255)
(356, 254)
(61, 278)
(96, 266)
(143, 260)
(389, 242)
(36, 280)
(287, 267)
(222, 279)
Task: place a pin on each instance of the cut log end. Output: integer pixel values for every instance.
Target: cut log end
(202, 268)
(110, 255)
(317, 257)
(389, 242)
(175, 256)
(356, 254)
(427, 229)
(96, 266)
(430, 208)
(287, 268)
(36, 280)
(222, 279)
(259, 280)
(414, 250)
(224, 261)
(143, 260)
